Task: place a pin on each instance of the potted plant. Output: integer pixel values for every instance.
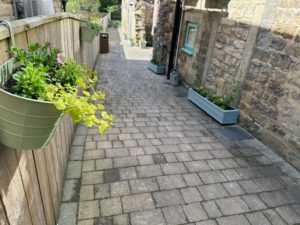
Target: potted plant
(218, 107)
(89, 30)
(131, 42)
(155, 67)
(142, 41)
(35, 96)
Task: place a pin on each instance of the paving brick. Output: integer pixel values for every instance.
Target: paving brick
(170, 141)
(168, 148)
(170, 157)
(194, 212)
(253, 202)
(144, 142)
(92, 177)
(185, 147)
(149, 217)
(268, 184)
(88, 166)
(76, 152)
(111, 175)
(212, 191)
(130, 143)
(87, 193)
(137, 202)
(119, 189)
(207, 222)
(121, 220)
(216, 164)
(74, 169)
(110, 206)
(197, 166)
(108, 220)
(221, 154)
(249, 186)
(211, 209)
(174, 215)
(190, 195)
(136, 151)
(68, 213)
(273, 217)
(229, 163)
(79, 140)
(88, 210)
(124, 137)
(288, 214)
(70, 191)
(85, 222)
(94, 154)
(149, 171)
(102, 191)
(233, 188)
(173, 168)
(233, 220)
(125, 161)
(231, 206)
(117, 152)
(183, 157)
(257, 218)
(104, 144)
(145, 159)
(89, 145)
(127, 173)
(170, 182)
(167, 198)
(231, 175)
(211, 177)
(102, 164)
(273, 199)
(192, 179)
(202, 146)
(200, 155)
(143, 185)
(155, 141)
(159, 158)
(149, 150)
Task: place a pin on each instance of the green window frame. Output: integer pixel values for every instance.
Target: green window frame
(190, 38)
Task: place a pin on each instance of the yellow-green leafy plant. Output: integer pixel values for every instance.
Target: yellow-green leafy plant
(64, 82)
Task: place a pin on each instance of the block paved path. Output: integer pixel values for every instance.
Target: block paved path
(166, 162)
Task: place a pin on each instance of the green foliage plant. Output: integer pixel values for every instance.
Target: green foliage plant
(224, 101)
(64, 82)
(93, 26)
(112, 8)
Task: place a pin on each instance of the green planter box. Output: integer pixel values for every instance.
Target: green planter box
(87, 34)
(27, 124)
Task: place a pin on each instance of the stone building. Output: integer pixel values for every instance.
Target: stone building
(257, 43)
(6, 9)
(137, 17)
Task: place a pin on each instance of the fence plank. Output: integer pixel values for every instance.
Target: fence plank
(39, 157)
(12, 189)
(31, 185)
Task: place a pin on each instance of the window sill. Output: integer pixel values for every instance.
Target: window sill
(187, 51)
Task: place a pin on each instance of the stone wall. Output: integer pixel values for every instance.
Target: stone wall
(270, 101)
(163, 32)
(257, 43)
(137, 18)
(6, 9)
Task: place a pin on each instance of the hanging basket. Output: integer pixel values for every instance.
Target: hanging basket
(25, 123)
(87, 34)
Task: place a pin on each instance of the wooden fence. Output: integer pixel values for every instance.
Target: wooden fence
(31, 182)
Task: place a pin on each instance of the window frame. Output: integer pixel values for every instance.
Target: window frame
(188, 48)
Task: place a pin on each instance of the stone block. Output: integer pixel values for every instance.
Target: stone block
(110, 207)
(137, 202)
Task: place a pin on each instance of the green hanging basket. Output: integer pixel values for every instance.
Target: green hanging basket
(87, 34)
(24, 123)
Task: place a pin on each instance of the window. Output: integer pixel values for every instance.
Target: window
(190, 38)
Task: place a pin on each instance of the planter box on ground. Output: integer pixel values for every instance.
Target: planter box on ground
(222, 116)
(158, 69)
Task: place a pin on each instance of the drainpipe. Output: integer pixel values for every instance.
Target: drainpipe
(176, 23)
(178, 41)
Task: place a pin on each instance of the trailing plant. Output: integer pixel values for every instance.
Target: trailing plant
(93, 26)
(64, 82)
(112, 8)
(224, 101)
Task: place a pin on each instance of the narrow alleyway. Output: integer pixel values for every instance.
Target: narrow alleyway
(166, 162)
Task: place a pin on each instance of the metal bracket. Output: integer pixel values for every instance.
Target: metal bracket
(6, 69)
